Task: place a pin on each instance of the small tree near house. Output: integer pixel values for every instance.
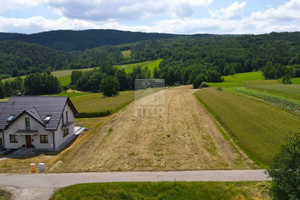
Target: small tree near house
(285, 171)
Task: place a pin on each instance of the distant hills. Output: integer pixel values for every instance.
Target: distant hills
(69, 40)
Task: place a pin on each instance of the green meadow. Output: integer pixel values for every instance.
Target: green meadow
(257, 127)
(150, 64)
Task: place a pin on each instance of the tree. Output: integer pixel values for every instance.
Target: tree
(123, 79)
(213, 76)
(156, 73)
(109, 86)
(75, 76)
(2, 91)
(285, 170)
(289, 72)
(198, 80)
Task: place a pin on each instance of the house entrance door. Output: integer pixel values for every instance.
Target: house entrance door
(1, 144)
(28, 141)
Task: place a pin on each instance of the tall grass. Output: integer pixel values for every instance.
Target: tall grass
(284, 102)
(166, 191)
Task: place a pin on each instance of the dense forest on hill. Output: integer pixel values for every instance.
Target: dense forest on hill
(19, 58)
(69, 40)
(185, 58)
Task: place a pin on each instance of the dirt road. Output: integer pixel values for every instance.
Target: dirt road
(178, 134)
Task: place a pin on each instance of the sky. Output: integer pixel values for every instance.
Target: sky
(167, 16)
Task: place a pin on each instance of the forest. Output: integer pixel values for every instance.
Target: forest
(190, 59)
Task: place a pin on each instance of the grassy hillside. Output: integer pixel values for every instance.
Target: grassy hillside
(259, 128)
(19, 58)
(166, 190)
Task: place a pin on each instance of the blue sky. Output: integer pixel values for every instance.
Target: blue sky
(167, 16)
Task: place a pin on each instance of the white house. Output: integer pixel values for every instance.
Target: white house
(36, 122)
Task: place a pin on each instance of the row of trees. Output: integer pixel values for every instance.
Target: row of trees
(33, 84)
(276, 71)
(99, 79)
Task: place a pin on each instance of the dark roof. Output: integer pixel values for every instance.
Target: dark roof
(38, 107)
(2, 105)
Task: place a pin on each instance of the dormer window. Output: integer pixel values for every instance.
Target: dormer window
(10, 118)
(47, 119)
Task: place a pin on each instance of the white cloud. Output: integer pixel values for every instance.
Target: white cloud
(18, 4)
(101, 10)
(234, 11)
(288, 11)
(224, 21)
(38, 24)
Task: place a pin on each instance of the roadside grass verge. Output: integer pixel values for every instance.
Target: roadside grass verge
(284, 102)
(259, 129)
(166, 190)
(4, 195)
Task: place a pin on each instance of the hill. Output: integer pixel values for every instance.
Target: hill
(19, 58)
(68, 40)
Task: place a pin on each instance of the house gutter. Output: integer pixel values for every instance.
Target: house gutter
(3, 140)
(53, 140)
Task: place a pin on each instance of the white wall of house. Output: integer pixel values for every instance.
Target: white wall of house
(59, 135)
(19, 124)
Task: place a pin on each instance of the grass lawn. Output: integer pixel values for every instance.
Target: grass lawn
(166, 190)
(4, 195)
(257, 127)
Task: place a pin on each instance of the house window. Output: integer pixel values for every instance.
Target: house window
(47, 119)
(67, 117)
(44, 138)
(10, 118)
(65, 132)
(27, 123)
(13, 139)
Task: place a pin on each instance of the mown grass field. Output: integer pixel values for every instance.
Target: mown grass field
(166, 190)
(96, 102)
(126, 54)
(257, 127)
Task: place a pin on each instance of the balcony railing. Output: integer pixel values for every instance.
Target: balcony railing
(66, 125)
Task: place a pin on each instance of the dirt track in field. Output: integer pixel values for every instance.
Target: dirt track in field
(184, 137)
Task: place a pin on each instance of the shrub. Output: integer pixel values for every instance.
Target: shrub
(204, 84)
(94, 114)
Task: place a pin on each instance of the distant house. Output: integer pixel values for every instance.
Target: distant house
(36, 122)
